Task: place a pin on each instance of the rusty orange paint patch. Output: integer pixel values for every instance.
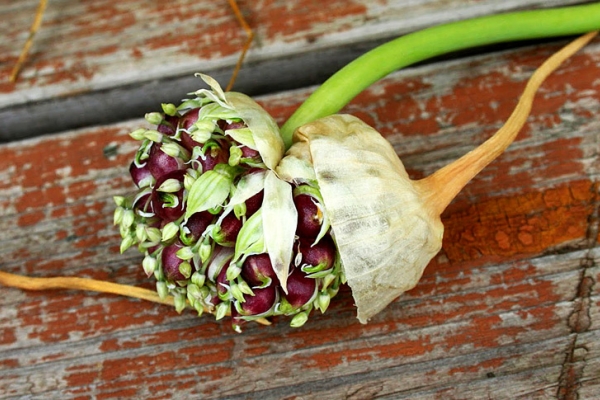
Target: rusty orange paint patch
(7, 336)
(282, 21)
(31, 218)
(115, 369)
(519, 225)
(9, 363)
(81, 375)
(112, 393)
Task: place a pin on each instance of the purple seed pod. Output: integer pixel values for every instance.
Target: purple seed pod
(258, 271)
(215, 154)
(319, 256)
(196, 225)
(227, 233)
(171, 263)
(159, 163)
(185, 123)
(222, 284)
(247, 152)
(224, 125)
(262, 301)
(301, 289)
(143, 203)
(189, 118)
(310, 216)
(168, 125)
(168, 206)
(141, 176)
(254, 203)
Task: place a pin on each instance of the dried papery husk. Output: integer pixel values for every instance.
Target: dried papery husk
(387, 227)
(384, 234)
(265, 131)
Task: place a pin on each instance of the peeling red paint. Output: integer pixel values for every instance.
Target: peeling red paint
(554, 217)
(7, 336)
(312, 17)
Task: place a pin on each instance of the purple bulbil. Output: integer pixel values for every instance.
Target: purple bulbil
(262, 301)
(258, 271)
(171, 263)
(301, 289)
(309, 216)
(168, 206)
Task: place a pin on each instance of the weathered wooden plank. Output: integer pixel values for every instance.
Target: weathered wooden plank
(589, 358)
(496, 314)
(90, 46)
(223, 364)
(107, 60)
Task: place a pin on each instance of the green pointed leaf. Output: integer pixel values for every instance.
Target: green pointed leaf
(169, 109)
(250, 239)
(198, 279)
(154, 118)
(299, 319)
(138, 134)
(208, 191)
(222, 310)
(162, 290)
(235, 155)
(179, 300)
(248, 186)
(243, 136)
(216, 111)
(323, 301)
(216, 94)
(169, 231)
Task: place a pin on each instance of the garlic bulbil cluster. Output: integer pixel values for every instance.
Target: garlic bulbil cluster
(219, 230)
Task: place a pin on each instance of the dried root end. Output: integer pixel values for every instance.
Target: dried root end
(440, 188)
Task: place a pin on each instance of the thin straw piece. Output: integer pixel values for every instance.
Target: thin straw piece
(249, 33)
(64, 282)
(441, 187)
(32, 31)
(76, 283)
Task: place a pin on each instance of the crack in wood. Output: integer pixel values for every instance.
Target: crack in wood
(579, 321)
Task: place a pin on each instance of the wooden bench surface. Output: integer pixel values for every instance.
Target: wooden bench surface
(510, 308)
(95, 62)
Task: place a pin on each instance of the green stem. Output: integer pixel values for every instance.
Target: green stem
(355, 77)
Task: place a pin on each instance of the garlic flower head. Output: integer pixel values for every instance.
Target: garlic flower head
(384, 233)
(230, 224)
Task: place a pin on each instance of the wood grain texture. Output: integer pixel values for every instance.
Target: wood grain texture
(105, 43)
(95, 61)
(509, 309)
